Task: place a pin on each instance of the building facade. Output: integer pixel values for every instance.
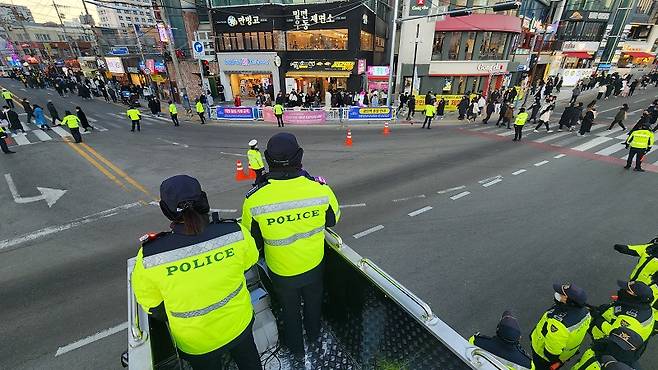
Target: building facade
(312, 48)
(125, 14)
(15, 14)
(455, 55)
(637, 50)
(48, 42)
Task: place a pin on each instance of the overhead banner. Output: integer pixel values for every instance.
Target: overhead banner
(114, 65)
(369, 114)
(299, 117)
(236, 113)
(451, 101)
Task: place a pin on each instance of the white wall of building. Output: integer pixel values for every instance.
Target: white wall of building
(123, 16)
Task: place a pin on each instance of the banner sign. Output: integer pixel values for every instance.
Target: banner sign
(451, 101)
(370, 114)
(298, 117)
(322, 65)
(237, 113)
(114, 65)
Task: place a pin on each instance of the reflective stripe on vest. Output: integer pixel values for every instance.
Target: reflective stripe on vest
(294, 238)
(192, 250)
(284, 206)
(212, 307)
(575, 327)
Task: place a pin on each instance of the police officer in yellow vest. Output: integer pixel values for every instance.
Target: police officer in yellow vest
(632, 309)
(505, 344)
(134, 115)
(640, 142)
(561, 330)
(623, 345)
(8, 98)
(430, 111)
(287, 215)
(647, 265)
(196, 271)
(3, 143)
(278, 113)
(73, 123)
(173, 112)
(200, 111)
(256, 161)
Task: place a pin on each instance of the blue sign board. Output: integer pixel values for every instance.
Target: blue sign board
(237, 113)
(370, 113)
(198, 47)
(119, 51)
(604, 66)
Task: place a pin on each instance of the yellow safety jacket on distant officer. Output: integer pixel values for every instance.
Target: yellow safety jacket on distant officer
(71, 121)
(640, 139)
(278, 109)
(646, 266)
(640, 320)
(202, 284)
(521, 119)
(291, 215)
(255, 159)
(199, 107)
(172, 108)
(430, 110)
(560, 332)
(133, 114)
(6, 95)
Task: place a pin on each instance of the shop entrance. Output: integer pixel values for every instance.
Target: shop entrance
(313, 85)
(248, 85)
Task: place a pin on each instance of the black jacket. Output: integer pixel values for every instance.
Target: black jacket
(52, 110)
(14, 121)
(83, 118)
(512, 352)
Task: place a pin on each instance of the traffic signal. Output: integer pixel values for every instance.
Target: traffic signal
(206, 67)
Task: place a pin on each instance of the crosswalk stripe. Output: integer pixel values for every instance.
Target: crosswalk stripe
(506, 133)
(92, 119)
(21, 139)
(611, 149)
(592, 143)
(552, 137)
(622, 137)
(25, 126)
(100, 128)
(41, 135)
(480, 128)
(596, 128)
(61, 132)
(112, 124)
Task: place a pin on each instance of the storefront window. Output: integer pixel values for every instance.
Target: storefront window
(437, 48)
(317, 40)
(279, 40)
(380, 43)
(453, 51)
(493, 45)
(470, 44)
(576, 63)
(366, 41)
(245, 41)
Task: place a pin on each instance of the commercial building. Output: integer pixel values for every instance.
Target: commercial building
(48, 42)
(637, 52)
(123, 15)
(15, 14)
(455, 55)
(312, 48)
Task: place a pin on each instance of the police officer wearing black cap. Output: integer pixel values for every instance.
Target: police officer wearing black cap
(623, 345)
(561, 330)
(647, 265)
(632, 309)
(505, 344)
(610, 363)
(196, 272)
(287, 215)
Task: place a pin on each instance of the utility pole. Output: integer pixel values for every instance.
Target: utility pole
(533, 68)
(59, 16)
(182, 87)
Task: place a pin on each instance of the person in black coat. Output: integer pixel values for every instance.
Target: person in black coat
(491, 107)
(53, 112)
(501, 116)
(588, 120)
(429, 98)
(462, 107)
(534, 112)
(505, 344)
(411, 104)
(567, 117)
(84, 122)
(577, 113)
(440, 109)
(14, 122)
(28, 109)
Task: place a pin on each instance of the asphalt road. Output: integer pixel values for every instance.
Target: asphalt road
(496, 241)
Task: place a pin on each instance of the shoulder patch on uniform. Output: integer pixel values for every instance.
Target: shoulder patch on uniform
(255, 189)
(149, 237)
(624, 323)
(553, 328)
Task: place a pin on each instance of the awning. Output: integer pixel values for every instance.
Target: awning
(578, 54)
(639, 54)
(318, 74)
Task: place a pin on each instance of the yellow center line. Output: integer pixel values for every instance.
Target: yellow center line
(103, 170)
(118, 171)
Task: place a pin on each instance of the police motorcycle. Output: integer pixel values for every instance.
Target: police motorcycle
(375, 324)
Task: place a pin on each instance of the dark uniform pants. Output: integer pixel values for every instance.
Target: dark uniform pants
(279, 120)
(3, 145)
(75, 132)
(428, 121)
(638, 154)
(518, 132)
(174, 119)
(10, 103)
(259, 176)
(136, 124)
(292, 322)
(242, 349)
(202, 116)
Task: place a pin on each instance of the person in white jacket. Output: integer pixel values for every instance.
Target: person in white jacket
(545, 114)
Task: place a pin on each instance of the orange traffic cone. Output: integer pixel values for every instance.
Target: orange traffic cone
(239, 172)
(387, 130)
(252, 173)
(348, 139)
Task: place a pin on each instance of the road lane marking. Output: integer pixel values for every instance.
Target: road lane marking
(592, 143)
(561, 155)
(368, 231)
(7, 243)
(61, 132)
(173, 143)
(540, 163)
(420, 196)
(506, 133)
(611, 149)
(460, 195)
(492, 182)
(451, 189)
(552, 137)
(488, 179)
(234, 154)
(480, 128)
(21, 139)
(622, 137)
(100, 128)
(119, 171)
(608, 110)
(518, 172)
(352, 205)
(98, 166)
(91, 339)
(41, 135)
(419, 211)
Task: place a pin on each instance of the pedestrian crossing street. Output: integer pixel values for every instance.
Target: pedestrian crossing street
(599, 141)
(113, 121)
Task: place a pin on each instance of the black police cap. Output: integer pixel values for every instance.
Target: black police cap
(626, 339)
(610, 363)
(283, 151)
(637, 289)
(508, 328)
(573, 293)
(178, 189)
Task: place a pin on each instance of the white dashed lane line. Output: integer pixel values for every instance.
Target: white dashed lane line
(494, 182)
(451, 189)
(540, 163)
(460, 195)
(419, 211)
(368, 231)
(560, 156)
(489, 179)
(353, 205)
(518, 172)
(420, 196)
